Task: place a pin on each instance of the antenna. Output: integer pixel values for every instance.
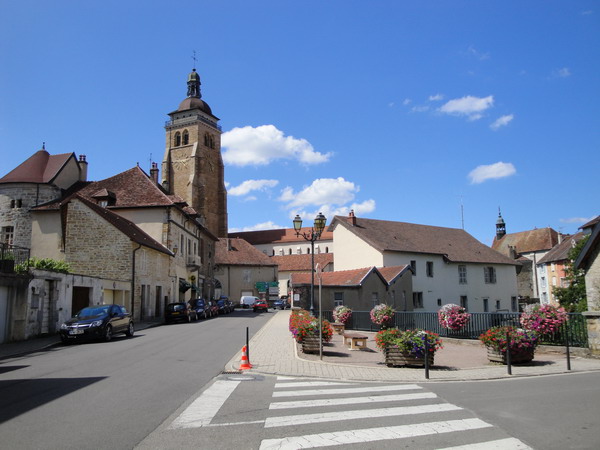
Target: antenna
(462, 213)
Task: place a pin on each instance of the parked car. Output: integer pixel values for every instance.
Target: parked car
(223, 305)
(281, 304)
(231, 305)
(97, 322)
(201, 307)
(179, 312)
(247, 301)
(214, 308)
(260, 305)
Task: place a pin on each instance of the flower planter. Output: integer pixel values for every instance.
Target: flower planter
(310, 344)
(396, 357)
(522, 356)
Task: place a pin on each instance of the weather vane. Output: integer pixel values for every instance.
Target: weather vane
(194, 58)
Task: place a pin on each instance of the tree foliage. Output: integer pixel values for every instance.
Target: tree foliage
(44, 264)
(573, 297)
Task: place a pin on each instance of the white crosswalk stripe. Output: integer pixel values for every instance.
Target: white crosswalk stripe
(338, 413)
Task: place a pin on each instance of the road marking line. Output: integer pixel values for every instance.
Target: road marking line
(351, 400)
(352, 390)
(312, 383)
(282, 377)
(234, 423)
(500, 444)
(301, 419)
(204, 408)
(372, 434)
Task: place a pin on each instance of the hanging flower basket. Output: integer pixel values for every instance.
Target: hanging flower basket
(382, 315)
(453, 317)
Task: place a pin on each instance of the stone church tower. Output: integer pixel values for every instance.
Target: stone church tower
(192, 166)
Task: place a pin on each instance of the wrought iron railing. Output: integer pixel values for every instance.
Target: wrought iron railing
(11, 256)
(575, 328)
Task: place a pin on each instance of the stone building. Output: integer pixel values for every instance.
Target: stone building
(359, 289)
(528, 248)
(192, 166)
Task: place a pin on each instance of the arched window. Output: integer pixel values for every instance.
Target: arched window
(186, 137)
(177, 139)
(211, 141)
(206, 140)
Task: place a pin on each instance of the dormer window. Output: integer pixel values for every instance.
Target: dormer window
(105, 198)
(103, 203)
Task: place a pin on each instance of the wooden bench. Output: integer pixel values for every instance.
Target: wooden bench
(339, 328)
(356, 341)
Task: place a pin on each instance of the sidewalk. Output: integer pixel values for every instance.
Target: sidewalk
(15, 349)
(273, 351)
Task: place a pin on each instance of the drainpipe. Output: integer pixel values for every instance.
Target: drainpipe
(133, 282)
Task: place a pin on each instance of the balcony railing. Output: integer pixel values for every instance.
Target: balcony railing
(11, 256)
(191, 119)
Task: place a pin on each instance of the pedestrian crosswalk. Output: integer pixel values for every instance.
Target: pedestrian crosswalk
(302, 414)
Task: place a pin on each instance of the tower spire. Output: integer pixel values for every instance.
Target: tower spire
(500, 226)
(193, 82)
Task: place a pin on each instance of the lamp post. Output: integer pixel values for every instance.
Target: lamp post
(311, 236)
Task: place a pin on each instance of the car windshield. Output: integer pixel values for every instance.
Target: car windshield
(176, 307)
(200, 303)
(93, 311)
(221, 303)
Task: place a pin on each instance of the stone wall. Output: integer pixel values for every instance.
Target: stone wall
(27, 196)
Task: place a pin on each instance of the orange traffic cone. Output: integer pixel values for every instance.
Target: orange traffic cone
(245, 363)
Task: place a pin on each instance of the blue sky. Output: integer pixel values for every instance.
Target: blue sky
(400, 110)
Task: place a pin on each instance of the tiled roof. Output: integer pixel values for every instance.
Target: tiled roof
(279, 236)
(295, 263)
(560, 251)
(239, 252)
(125, 226)
(352, 277)
(527, 241)
(454, 244)
(591, 223)
(41, 167)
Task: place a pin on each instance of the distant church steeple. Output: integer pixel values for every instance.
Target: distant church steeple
(193, 84)
(500, 226)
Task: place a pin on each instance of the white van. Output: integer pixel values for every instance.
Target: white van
(247, 301)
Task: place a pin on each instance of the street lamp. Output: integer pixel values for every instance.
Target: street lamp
(311, 236)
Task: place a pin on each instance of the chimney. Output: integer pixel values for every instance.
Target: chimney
(352, 218)
(154, 172)
(83, 168)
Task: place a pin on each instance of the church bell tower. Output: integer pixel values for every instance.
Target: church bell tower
(192, 166)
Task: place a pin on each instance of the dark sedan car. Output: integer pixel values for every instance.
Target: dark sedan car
(224, 306)
(179, 312)
(97, 322)
(201, 307)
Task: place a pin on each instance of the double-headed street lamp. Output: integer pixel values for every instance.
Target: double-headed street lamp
(313, 235)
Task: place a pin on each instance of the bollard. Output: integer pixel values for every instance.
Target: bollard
(567, 346)
(426, 358)
(247, 345)
(508, 366)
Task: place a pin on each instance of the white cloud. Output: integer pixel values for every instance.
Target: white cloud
(423, 108)
(262, 145)
(561, 73)
(407, 101)
(502, 121)
(259, 226)
(436, 98)
(469, 106)
(491, 172)
(577, 220)
(331, 196)
(251, 185)
(391, 104)
(322, 191)
(472, 51)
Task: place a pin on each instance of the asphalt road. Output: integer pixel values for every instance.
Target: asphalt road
(551, 412)
(111, 395)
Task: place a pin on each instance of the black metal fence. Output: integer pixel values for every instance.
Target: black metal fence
(11, 256)
(575, 327)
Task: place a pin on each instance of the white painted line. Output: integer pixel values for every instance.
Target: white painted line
(500, 444)
(252, 422)
(282, 377)
(371, 434)
(204, 408)
(351, 400)
(301, 419)
(352, 390)
(311, 383)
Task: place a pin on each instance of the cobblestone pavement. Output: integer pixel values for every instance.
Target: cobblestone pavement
(273, 351)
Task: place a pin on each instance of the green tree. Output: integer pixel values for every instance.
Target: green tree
(573, 297)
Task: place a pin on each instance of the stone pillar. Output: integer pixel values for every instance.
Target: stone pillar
(593, 328)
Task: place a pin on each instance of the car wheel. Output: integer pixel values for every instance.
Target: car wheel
(130, 330)
(65, 340)
(108, 333)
